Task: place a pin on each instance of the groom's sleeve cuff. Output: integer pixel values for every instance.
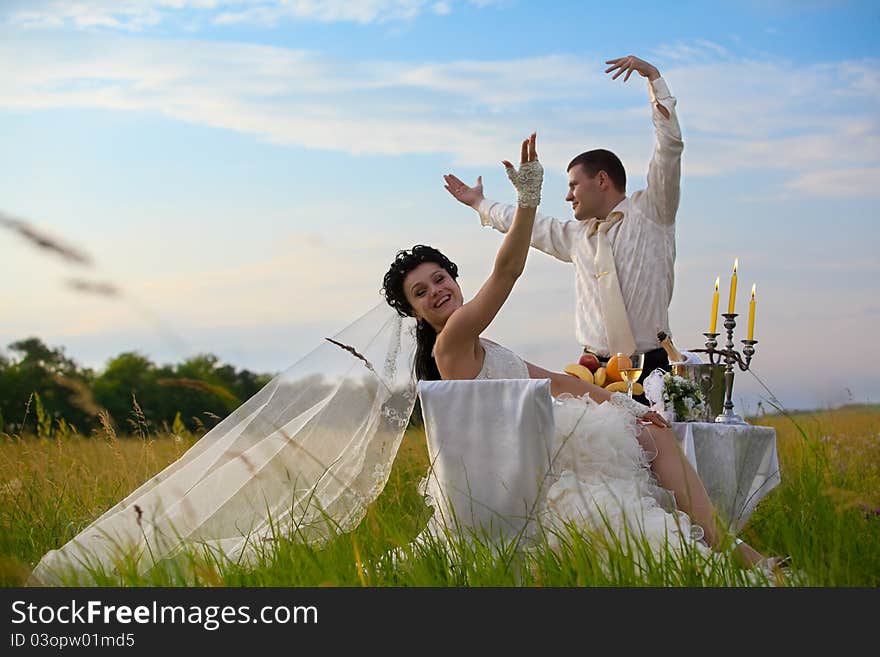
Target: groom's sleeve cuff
(484, 208)
(659, 90)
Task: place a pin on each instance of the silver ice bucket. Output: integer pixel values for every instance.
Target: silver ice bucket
(710, 379)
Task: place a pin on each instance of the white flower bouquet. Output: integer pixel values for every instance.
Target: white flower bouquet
(683, 397)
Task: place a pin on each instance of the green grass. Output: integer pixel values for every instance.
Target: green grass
(824, 515)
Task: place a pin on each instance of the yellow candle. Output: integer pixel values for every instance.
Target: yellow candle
(714, 306)
(732, 299)
(752, 316)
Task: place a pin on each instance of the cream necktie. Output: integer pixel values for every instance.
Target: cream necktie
(617, 327)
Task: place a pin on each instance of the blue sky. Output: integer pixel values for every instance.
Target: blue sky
(244, 171)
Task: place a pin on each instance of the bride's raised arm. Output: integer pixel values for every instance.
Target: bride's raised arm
(469, 321)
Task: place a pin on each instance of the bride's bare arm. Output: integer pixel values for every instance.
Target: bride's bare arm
(469, 321)
(562, 383)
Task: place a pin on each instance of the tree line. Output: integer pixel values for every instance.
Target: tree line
(45, 393)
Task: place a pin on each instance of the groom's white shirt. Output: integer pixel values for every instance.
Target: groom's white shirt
(643, 242)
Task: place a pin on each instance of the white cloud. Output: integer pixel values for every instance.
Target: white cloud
(126, 15)
(840, 183)
(138, 15)
(366, 11)
(737, 114)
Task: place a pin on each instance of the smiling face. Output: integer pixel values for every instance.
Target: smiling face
(433, 294)
(586, 194)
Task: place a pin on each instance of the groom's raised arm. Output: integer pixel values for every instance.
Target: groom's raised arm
(664, 171)
(552, 236)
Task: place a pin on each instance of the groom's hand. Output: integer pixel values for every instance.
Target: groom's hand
(643, 68)
(630, 64)
(468, 195)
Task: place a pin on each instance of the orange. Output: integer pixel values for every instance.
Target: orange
(612, 370)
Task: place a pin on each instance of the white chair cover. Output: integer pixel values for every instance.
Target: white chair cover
(489, 444)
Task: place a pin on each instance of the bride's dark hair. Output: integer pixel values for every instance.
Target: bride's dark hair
(392, 287)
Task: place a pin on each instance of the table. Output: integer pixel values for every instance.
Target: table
(738, 464)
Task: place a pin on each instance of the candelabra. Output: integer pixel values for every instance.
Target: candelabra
(731, 357)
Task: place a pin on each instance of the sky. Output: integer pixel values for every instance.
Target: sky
(243, 171)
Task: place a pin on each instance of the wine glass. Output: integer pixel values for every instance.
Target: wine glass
(630, 368)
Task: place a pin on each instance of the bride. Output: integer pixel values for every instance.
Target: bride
(304, 457)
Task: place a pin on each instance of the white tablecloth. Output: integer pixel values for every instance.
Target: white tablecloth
(738, 464)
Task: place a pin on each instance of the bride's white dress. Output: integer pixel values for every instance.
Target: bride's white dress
(599, 481)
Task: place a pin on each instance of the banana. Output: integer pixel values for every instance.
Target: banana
(599, 377)
(620, 386)
(580, 372)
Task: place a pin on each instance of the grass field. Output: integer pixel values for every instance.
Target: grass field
(825, 515)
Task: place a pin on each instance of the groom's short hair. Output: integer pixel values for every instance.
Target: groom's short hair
(601, 160)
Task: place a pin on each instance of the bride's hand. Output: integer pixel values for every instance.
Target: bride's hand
(656, 419)
(527, 152)
(530, 175)
(638, 410)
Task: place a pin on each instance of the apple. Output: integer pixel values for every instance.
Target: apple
(590, 362)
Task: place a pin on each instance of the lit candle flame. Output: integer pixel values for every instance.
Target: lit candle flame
(717, 281)
(735, 265)
(753, 290)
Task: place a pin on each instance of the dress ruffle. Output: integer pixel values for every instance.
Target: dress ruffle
(602, 484)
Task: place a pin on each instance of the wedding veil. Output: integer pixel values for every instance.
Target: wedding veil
(303, 458)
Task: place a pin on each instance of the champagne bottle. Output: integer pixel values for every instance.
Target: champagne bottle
(675, 356)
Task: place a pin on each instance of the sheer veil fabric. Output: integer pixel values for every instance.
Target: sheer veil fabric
(303, 458)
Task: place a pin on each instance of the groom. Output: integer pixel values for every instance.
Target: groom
(622, 247)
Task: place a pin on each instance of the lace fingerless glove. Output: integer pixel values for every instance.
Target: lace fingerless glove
(527, 181)
(631, 406)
